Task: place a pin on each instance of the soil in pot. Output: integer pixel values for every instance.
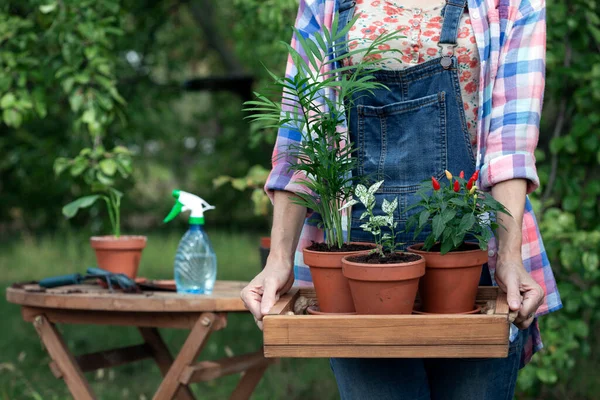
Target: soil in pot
(451, 280)
(331, 287)
(120, 255)
(384, 286)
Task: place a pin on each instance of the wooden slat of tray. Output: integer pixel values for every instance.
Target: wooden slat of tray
(306, 336)
(225, 298)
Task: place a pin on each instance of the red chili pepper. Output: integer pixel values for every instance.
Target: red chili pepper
(470, 183)
(475, 175)
(462, 174)
(456, 186)
(435, 183)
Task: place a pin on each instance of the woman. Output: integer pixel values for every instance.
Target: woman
(465, 95)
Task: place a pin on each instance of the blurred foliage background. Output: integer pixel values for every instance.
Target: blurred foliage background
(99, 74)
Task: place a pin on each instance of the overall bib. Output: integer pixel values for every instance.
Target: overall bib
(404, 136)
(411, 132)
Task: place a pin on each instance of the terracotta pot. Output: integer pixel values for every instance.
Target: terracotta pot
(315, 311)
(383, 288)
(331, 287)
(119, 255)
(451, 280)
(265, 249)
(476, 310)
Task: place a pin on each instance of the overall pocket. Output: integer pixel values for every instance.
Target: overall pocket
(402, 143)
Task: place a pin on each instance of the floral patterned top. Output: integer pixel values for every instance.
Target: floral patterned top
(422, 29)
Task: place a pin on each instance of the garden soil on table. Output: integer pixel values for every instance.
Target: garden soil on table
(395, 258)
(335, 249)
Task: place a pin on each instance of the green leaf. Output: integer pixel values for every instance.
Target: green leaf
(71, 209)
(79, 165)
(47, 8)
(446, 246)
(423, 217)
(546, 375)
(108, 166)
(105, 180)
(8, 100)
(12, 117)
(60, 164)
(448, 214)
(466, 222)
(438, 225)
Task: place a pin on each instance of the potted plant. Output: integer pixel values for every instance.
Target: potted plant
(383, 281)
(100, 169)
(255, 179)
(323, 156)
(453, 212)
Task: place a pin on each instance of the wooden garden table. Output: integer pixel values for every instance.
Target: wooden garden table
(91, 304)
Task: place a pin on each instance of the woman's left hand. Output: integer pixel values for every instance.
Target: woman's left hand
(523, 293)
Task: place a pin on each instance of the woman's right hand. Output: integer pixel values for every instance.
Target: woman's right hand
(278, 275)
(264, 290)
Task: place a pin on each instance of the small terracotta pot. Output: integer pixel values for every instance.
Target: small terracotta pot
(119, 255)
(451, 280)
(383, 288)
(331, 286)
(315, 311)
(264, 250)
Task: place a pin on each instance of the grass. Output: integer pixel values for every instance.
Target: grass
(24, 372)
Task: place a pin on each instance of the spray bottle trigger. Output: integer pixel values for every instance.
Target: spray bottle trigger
(177, 208)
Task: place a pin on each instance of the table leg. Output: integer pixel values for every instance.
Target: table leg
(187, 355)
(249, 380)
(163, 358)
(64, 360)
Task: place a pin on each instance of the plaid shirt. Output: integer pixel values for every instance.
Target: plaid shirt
(511, 39)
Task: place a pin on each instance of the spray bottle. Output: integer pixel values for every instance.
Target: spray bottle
(195, 260)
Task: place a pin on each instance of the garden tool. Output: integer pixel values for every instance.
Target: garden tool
(121, 281)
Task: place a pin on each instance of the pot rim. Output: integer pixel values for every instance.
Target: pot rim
(123, 242)
(413, 248)
(412, 269)
(373, 245)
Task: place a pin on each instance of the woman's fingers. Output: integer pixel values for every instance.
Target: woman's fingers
(533, 296)
(252, 296)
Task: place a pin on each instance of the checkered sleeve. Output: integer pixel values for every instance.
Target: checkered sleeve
(517, 99)
(308, 22)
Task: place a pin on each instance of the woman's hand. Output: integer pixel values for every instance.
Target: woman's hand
(523, 293)
(265, 289)
(278, 276)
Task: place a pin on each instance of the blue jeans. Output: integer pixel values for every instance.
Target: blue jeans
(425, 379)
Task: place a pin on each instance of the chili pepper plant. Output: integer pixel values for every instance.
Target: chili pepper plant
(454, 210)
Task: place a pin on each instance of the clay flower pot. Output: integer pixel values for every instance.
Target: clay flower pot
(264, 249)
(119, 255)
(451, 280)
(331, 286)
(383, 288)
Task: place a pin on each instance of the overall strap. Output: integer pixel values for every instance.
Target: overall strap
(345, 8)
(453, 10)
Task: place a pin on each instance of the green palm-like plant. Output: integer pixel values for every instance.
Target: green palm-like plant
(308, 106)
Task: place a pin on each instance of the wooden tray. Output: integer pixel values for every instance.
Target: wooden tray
(287, 334)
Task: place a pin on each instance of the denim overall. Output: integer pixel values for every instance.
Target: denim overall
(404, 136)
(413, 131)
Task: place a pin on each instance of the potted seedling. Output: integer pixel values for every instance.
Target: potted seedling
(254, 180)
(322, 158)
(100, 170)
(460, 219)
(383, 281)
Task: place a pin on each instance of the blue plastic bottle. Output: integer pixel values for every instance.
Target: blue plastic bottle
(195, 261)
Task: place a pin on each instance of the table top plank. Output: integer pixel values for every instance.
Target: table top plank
(225, 298)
